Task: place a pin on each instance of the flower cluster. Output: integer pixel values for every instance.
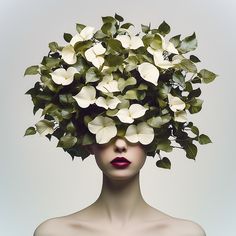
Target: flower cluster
(113, 82)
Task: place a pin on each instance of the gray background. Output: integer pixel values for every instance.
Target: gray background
(39, 181)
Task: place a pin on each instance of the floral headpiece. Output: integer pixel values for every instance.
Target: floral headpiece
(112, 82)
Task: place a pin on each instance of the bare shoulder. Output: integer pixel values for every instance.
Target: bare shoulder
(49, 227)
(184, 227)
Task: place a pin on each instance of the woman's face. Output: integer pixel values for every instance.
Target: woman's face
(119, 147)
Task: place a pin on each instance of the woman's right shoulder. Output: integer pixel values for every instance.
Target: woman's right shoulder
(48, 227)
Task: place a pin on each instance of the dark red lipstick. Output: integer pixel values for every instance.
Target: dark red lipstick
(120, 162)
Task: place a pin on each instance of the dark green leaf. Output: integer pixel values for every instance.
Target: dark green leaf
(164, 163)
(195, 130)
(191, 150)
(194, 59)
(91, 75)
(196, 105)
(179, 78)
(30, 131)
(108, 29)
(115, 45)
(126, 25)
(67, 37)
(119, 18)
(145, 28)
(164, 28)
(204, 139)
(114, 60)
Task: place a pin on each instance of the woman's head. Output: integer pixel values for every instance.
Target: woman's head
(119, 147)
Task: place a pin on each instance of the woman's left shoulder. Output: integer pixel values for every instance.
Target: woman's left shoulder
(184, 227)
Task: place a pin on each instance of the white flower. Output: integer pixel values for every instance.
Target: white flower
(132, 42)
(108, 85)
(108, 102)
(160, 60)
(104, 128)
(127, 115)
(149, 72)
(180, 116)
(175, 103)
(86, 96)
(142, 133)
(85, 34)
(62, 76)
(68, 54)
(94, 54)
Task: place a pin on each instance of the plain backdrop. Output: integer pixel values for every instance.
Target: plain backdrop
(39, 181)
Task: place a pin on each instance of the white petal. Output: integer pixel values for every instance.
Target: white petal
(145, 133)
(171, 48)
(180, 116)
(112, 103)
(99, 49)
(159, 60)
(90, 54)
(136, 42)
(86, 96)
(124, 39)
(58, 75)
(124, 116)
(137, 110)
(131, 134)
(101, 102)
(106, 134)
(96, 124)
(75, 39)
(98, 61)
(71, 71)
(87, 32)
(175, 103)
(149, 72)
(68, 55)
(151, 50)
(104, 128)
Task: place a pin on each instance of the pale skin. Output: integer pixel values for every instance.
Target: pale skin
(120, 209)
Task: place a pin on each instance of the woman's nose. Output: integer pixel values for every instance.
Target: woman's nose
(120, 145)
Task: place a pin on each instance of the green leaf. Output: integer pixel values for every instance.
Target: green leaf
(67, 37)
(176, 40)
(53, 46)
(204, 139)
(115, 45)
(67, 141)
(108, 29)
(164, 28)
(179, 78)
(109, 19)
(79, 27)
(164, 145)
(164, 163)
(194, 59)
(32, 70)
(145, 28)
(99, 35)
(194, 93)
(66, 99)
(188, 66)
(70, 127)
(207, 76)
(156, 42)
(191, 150)
(195, 130)
(188, 44)
(113, 60)
(126, 25)
(196, 80)
(91, 75)
(88, 139)
(196, 105)
(119, 18)
(82, 46)
(50, 62)
(30, 131)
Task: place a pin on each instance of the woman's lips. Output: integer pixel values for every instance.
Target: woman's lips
(120, 162)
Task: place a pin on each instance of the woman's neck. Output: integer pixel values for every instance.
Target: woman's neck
(121, 200)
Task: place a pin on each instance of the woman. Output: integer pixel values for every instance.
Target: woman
(120, 209)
